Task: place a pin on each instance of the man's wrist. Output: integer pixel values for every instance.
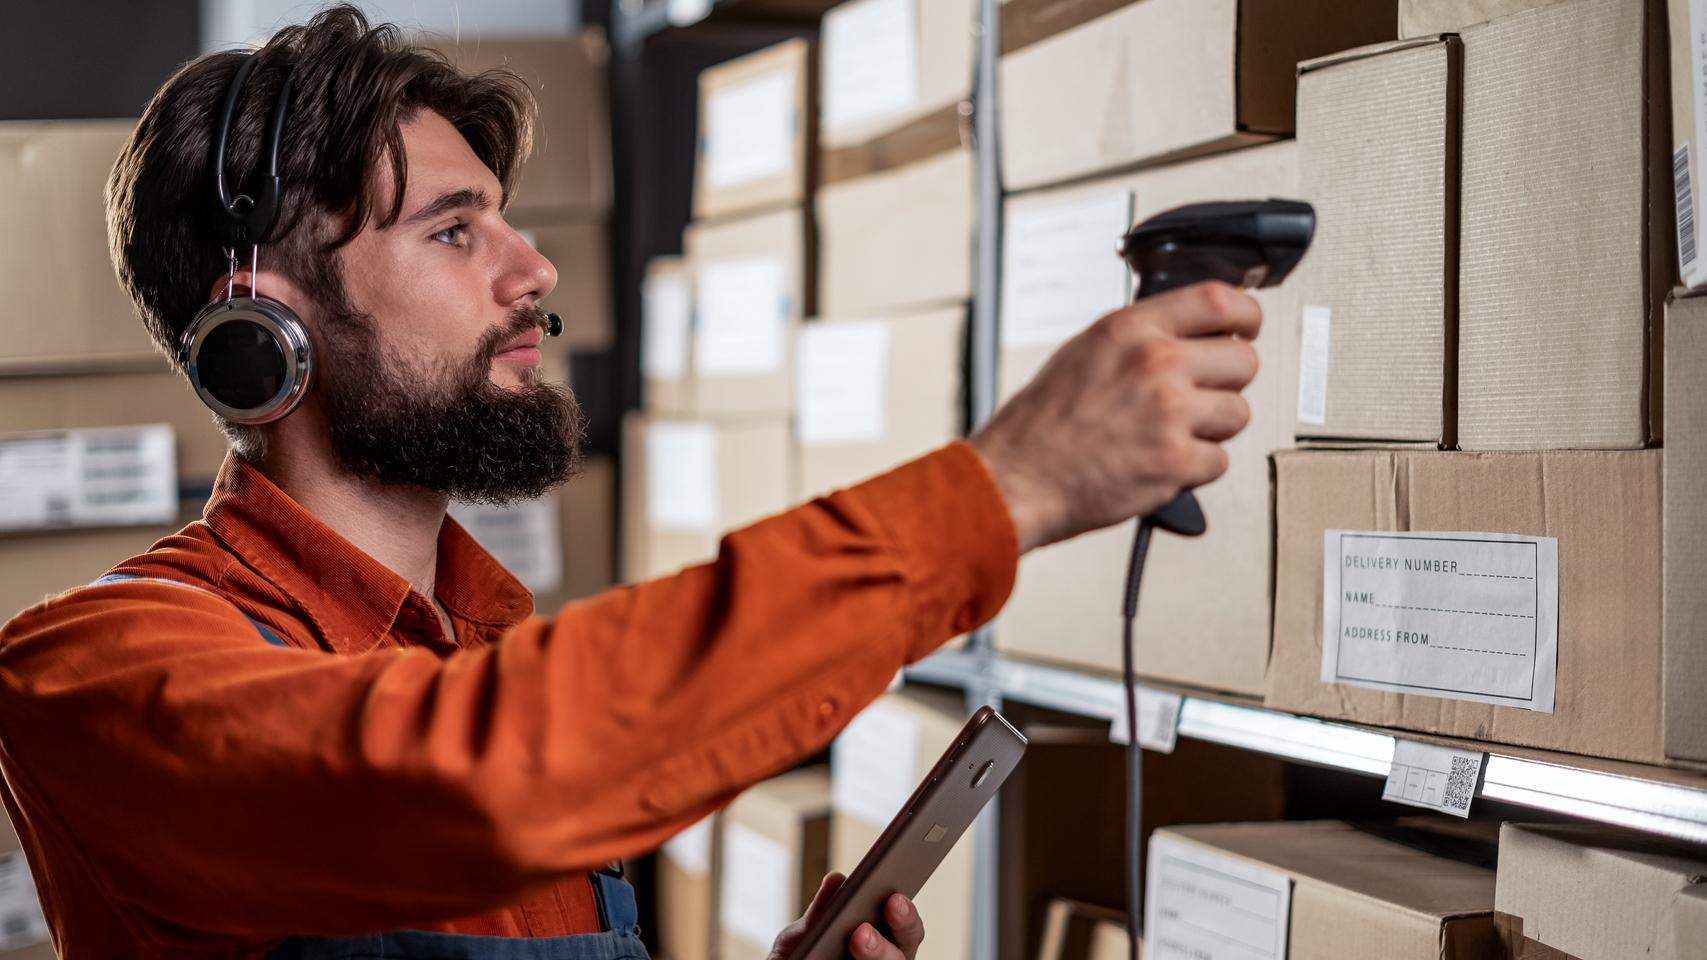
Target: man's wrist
(1025, 502)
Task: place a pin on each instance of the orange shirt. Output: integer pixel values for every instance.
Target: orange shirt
(183, 788)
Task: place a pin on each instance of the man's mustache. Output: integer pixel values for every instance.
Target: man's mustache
(522, 319)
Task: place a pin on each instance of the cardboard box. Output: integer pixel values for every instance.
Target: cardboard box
(1689, 135)
(1354, 893)
(1060, 275)
(1685, 516)
(875, 765)
(873, 394)
(666, 337)
(1422, 18)
(757, 131)
(776, 850)
(897, 237)
(1604, 509)
(887, 65)
(688, 482)
(35, 566)
(687, 892)
(64, 309)
(1563, 137)
(569, 174)
(1592, 892)
(1081, 931)
(1063, 816)
(1083, 85)
(581, 253)
(752, 286)
(1378, 157)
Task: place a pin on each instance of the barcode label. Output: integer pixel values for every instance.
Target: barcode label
(1437, 778)
(1680, 181)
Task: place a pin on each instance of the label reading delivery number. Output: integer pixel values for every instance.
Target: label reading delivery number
(1465, 616)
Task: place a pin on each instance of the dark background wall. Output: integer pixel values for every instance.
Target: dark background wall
(91, 58)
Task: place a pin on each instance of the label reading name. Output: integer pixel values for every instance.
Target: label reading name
(1203, 905)
(1464, 616)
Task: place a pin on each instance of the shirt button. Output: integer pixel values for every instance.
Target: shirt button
(826, 712)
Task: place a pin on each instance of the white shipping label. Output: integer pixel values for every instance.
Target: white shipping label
(103, 476)
(1158, 721)
(21, 920)
(758, 875)
(743, 317)
(1313, 366)
(690, 850)
(666, 312)
(841, 382)
(871, 61)
(1465, 616)
(682, 13)
(749, 130)
(1202, 905)
(526, 537)
(1695, 267)
(1433, 777)
(681, 476)
(1060, 271)
(874, 764)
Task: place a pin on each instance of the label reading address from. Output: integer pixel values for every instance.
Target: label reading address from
(1202, 905)
(1464, 616)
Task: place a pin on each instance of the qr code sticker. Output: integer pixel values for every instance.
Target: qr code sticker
(1461, 783)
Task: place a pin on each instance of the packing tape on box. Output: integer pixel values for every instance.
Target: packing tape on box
(1025, 22)
(934, 133)
(1516, 946)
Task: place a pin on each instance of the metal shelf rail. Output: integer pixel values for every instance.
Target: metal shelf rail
(1667, 802)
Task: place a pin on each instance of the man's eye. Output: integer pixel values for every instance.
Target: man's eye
(451, 235)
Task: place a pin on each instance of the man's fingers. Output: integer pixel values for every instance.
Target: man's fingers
(906, 927)
(1221, 363)
(867, 944)
(821, 900)
(1211, 309)
(1208, 462)
(1218, 414)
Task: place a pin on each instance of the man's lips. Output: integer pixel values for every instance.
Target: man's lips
(523, 349)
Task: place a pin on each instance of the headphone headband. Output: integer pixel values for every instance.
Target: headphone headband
(246, 219)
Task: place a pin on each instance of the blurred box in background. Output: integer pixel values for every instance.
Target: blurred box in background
(1204, 618)
(1566, 244)
(581, 254)
(1093, 87)
(1324, 889)
(34, 566)
(872, 394)
(1594, 892)
(752, 286)
(1081, 931)
(687, 892)
(892, 65)
(776, 850)
(666, 337)
(1422, 18)
(1378, 157)
(875, 765)
(561, 546)
(756, 131)
(64, 308)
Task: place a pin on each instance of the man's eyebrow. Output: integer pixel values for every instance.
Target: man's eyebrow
(465, 197)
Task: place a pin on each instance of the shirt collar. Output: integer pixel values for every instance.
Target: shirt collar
(353, 598)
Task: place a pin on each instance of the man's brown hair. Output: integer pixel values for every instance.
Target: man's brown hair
(353, 86)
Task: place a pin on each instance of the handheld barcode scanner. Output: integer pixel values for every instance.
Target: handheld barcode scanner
(1251, 244)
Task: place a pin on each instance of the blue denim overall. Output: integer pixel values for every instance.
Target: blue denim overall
(618, 913)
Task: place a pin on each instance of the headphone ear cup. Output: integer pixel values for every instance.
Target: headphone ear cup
(248, 359)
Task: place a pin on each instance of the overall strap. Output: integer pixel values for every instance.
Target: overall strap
(266, 633)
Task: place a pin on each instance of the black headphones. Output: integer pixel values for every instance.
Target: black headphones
(249, 358)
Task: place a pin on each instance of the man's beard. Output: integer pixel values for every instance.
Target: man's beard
(454, 432)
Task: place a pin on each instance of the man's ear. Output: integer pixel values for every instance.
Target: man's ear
(272, 285)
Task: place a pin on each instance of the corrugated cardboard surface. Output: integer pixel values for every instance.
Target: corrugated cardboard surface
(1604, 508)
(1686, 530)
(756, 478)
(944, 46)
(946, 901)
(794, 810)
(1421, 18)
(779, 233)
(1689, 916)
(675, 396)
(1164, 79)
(921, 407)
(580, 251)
(1558, 311)
(1204, 616)
(1598, 893)
(797, 58)
(570, 171)
(64, 306)
(1377, 138)
(1357, 895)
(898, 238)
(119, 399)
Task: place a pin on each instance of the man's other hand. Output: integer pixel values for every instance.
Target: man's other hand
(1126, 414)
(866, 943)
